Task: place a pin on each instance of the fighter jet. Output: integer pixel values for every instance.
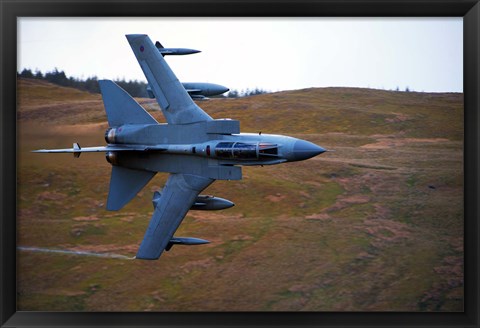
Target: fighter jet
(192, 147)
(198, 90)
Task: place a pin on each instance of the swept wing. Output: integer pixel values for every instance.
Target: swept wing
(177, 197)
(177, 106)
(77, 149)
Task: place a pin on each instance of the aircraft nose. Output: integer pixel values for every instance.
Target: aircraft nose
(304, 150)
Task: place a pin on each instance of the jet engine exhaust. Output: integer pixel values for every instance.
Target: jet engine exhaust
(70, 252)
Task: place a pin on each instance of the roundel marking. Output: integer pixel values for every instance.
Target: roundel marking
(142, 48)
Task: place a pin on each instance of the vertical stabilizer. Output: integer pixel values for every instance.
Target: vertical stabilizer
(120, 107)
(124, 185)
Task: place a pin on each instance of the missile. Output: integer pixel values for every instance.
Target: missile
(185, 241)
(174, 51)
(202, 202)
(209, 203)
(198, 90)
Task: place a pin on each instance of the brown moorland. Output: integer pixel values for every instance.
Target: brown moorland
(376, 225)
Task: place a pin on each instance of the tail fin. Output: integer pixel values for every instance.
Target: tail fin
(124, 185)
(120, 107)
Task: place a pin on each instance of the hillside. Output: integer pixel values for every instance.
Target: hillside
(376, 225)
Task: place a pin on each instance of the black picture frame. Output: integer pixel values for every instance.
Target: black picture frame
(10, 10)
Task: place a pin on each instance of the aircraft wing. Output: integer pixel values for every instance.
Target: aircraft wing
(77, 149)
(177, 197)
(177, 106)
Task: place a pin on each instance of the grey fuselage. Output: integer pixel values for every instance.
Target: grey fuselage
(212, 148)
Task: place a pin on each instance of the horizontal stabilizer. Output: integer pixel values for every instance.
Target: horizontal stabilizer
(124, 185)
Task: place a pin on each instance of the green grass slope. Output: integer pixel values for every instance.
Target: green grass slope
(376, 225)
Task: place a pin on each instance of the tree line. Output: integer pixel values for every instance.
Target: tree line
(246, 92)
(135, 88)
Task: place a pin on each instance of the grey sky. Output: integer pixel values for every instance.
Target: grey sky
(425, 54)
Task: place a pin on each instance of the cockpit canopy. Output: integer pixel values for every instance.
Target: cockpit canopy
(245, 151)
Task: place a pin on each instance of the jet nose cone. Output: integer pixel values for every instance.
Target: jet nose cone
(304, 150)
